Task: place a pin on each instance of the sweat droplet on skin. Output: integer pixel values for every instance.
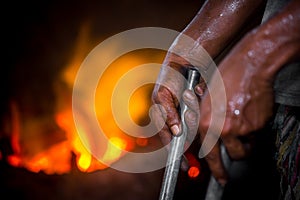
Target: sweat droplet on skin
(250, 54)
(236, 112)
(238, 101)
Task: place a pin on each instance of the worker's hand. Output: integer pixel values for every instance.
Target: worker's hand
(168, 93)
(248, 72)
(249, 97)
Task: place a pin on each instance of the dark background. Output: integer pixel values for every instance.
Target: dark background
(38, 40)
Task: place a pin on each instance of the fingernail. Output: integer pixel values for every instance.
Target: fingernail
(198, 90)
(222, 182)
(175, 130)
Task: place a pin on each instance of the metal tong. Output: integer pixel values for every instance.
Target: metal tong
(177, 145)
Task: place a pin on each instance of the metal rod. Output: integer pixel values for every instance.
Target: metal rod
(177, 146)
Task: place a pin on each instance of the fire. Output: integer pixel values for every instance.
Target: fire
(193, 172)
(55, 156)
(195, 167)
(114, 148)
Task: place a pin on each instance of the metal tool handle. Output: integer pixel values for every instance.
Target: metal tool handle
(177, 146)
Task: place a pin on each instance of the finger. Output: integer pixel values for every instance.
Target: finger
(165, 134)
(233, 139)
(169, 103)
(235, 148)
(191, 120)
(214, 161)
(191, 100)
(211, 151)
(199, 91)
(192, 114)
(201, 87)
(159, 120)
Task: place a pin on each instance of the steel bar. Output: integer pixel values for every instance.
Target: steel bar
(177, 146)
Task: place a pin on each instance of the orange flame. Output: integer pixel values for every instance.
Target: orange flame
(57, 157)
(195, 167)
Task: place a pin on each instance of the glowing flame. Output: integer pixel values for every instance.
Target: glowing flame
(57, 157)
(195, 167)
(114, 148)
(193, 172)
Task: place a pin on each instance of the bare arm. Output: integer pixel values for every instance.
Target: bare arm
(248, 72)
(214, 26)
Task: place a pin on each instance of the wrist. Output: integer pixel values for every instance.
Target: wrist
(188, 52)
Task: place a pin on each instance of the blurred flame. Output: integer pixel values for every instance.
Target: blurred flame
(193, 172)
(57, 158)
(114, 148)
(195, 167)
(15, 159)
(47, 161)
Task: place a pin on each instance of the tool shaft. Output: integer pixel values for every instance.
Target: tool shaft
(177, 146)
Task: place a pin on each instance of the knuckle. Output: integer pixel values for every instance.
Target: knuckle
(160, 94)
(191, 116)
(211, 157)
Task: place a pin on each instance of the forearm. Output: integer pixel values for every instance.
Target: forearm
(279, 39)
(216, 24)
(274, 44)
